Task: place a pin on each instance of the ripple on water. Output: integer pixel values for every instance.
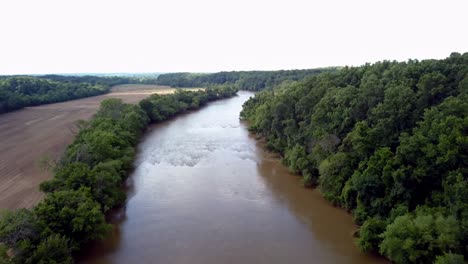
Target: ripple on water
(189, 152)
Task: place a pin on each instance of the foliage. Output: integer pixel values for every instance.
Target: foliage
(73, 214)
(53, 250)
(369, 234)
(382, 140)
(334, 172)
(4, 259)
(18, 230)
(420, 237)
(449, 258)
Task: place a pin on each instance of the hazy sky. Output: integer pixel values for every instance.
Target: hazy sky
(202, 36)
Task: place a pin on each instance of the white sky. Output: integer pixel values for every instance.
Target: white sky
(65, 36)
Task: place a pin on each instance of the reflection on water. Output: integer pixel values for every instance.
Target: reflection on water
(204, 191)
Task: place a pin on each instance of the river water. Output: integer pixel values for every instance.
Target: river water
(205, 191)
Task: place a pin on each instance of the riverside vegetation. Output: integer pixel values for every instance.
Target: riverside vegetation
(88, 179)
(388, 142)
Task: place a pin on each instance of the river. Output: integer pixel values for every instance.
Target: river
(204, 191)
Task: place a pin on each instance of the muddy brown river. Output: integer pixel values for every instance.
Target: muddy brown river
(205, 191)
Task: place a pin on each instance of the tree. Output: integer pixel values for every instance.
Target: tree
(370, 234)
(334, 172)
(53, 250)
(419, 237)
(449, 258)
(18, 225)
(19, 231)
(371, 181)
(74, 215)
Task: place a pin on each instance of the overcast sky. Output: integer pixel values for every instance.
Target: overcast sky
(204, 36)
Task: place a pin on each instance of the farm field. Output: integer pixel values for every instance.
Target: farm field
(30, 134)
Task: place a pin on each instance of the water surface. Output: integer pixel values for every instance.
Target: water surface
(204, 191)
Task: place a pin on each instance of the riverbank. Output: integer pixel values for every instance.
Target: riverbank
(88, 178)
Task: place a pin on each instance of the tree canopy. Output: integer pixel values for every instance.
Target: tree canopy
(387, 141)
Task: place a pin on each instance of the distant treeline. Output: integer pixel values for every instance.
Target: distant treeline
(17, 92)
(387, 141)
(243, 80)
(104, 80)
(88, 180)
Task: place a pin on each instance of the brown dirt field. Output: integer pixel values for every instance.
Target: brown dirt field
(28, 135)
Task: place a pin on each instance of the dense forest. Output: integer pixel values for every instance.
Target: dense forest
(243, 80)
(88, 179)
(388, 142)
(17, 92)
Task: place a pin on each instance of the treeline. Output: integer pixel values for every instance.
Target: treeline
(242, 80)
(17, 92)
(88, 180)
(387, 141)
(104, 80)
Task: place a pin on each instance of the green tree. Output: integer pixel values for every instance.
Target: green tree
(53, 250)
(334, 172)
(73, 214)
(420, 237)
(449, 258)
(19, 231)
(370, 234)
